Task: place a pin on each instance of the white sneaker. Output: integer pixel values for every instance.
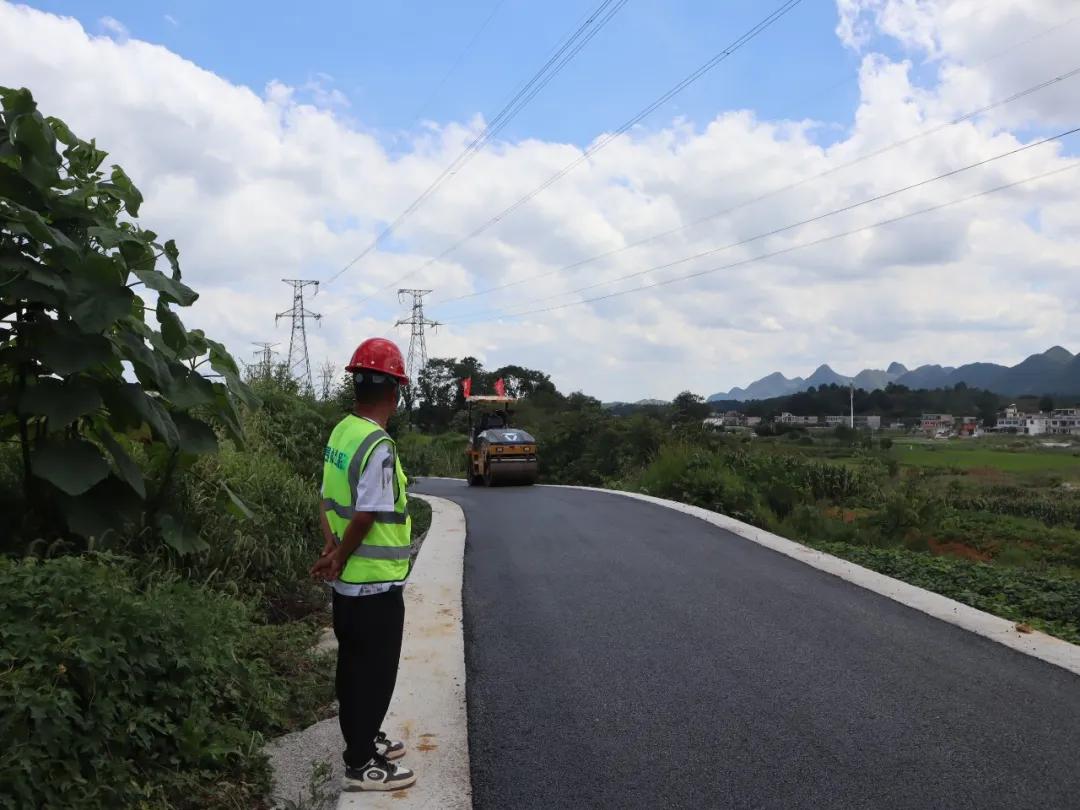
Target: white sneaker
(378, 774)
(391, 749)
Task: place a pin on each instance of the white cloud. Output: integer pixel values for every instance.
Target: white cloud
(257, 186)
(171, 20)
(114, 27)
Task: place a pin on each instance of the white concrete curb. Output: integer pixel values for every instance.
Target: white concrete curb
(1038, 645)
(428, 711)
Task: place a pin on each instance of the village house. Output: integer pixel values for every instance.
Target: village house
(935, 424)
(1013, 420)
(1064, 421)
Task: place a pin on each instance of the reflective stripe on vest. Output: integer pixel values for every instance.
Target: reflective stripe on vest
(385, 553)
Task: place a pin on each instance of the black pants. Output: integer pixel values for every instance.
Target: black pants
(368, 630)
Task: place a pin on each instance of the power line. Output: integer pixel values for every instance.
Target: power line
(460, 57)
(555, 64)
(773, 192)
(784, 251)
(801, 223)
(611, 136)
(298, 364)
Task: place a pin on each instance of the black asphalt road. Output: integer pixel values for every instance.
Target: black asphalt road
(623, 655)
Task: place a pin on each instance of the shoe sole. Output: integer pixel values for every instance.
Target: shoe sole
(395, 755)
(383, 787)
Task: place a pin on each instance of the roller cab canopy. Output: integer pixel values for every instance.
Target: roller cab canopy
(507, 436)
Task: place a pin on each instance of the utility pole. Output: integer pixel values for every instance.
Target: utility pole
(326, 378)
(851, 393)
(298, 363)
(264, 368)
(417, 358)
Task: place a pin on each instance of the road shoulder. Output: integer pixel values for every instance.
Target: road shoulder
(1038, 645)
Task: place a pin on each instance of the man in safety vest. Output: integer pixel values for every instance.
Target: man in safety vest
(367, 556)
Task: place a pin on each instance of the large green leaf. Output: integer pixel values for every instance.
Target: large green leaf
(108, 506)
(150, 367)
(162, 284)
(71, 466)
(60, 129)
(126, 468)
(172, 253)
(132, 196)
(196, 346)
(65, 350)
(226, 414)
(35, 142)
(96, 307)
(84, 158)
(189, 389)
(16, 101)
(37, 228)
(48, 277)
(130, 406)
(33, 136)
(16, 187)
(21, 288)
(171, 329)
(222, 362)
(180, 537)
(59, 401)
(196, 437)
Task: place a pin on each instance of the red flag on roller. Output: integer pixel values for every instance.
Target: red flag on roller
(500, 387)
(466, 387)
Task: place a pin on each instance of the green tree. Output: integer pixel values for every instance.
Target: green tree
(106, 394)
(690, 408)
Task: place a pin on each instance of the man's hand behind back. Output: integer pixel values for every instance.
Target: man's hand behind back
(328, 567)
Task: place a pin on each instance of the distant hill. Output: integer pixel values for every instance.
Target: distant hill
(1055, 371)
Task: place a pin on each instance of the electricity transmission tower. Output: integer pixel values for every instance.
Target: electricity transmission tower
(326, 378)
(298, 363)
(417, 358)
(264, 367)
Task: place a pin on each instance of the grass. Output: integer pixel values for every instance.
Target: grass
(970, 456)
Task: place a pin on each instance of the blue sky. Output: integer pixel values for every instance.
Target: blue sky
(261, 186)
(387, 58)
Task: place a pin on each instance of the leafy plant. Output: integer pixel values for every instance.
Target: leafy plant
(117, 694)
(89, 369)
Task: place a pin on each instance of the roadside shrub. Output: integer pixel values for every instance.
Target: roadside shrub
(908, 510)
(442, 455)
(114, 695)
(703, 479)
(290, 427)
(265, 554)
(781, 498)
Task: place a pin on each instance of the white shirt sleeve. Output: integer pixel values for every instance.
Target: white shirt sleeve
(375, 489)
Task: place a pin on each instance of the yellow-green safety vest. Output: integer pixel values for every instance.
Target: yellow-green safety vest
(384, 554)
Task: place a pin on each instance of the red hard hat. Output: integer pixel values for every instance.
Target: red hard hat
(381, 355)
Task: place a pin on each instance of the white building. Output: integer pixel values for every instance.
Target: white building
(1013, 420)
(1036, 424)
(790, 419)
(1064, 421)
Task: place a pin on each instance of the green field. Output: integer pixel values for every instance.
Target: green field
(974, 454)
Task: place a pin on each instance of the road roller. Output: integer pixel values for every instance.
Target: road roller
(497, 452)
